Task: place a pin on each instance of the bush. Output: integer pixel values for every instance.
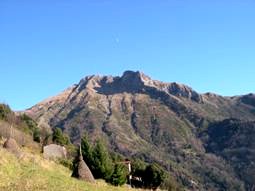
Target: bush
(31, 124)
(170, 184)
(138, 168)
(31, 127)
(59, 138)
(66, 163)
(36, 135)
(119, 176)
(154, 175)
(5, 110)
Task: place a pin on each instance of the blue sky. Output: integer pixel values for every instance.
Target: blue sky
(48, 45)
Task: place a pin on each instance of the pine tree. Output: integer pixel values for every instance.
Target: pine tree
(87, 150)
(119, 176)
(102, 163)
(75, 164)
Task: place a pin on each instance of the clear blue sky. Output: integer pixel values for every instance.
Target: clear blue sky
(48, 45)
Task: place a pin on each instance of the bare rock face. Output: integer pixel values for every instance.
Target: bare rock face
(184, 91)
(11, 145)
(84, 172)
(53, 151)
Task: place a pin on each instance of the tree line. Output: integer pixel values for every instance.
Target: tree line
(109, 166)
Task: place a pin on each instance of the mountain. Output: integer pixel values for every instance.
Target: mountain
(168, 123)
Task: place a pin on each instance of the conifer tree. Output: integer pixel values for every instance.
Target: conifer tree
(102, 162)
(119, 176)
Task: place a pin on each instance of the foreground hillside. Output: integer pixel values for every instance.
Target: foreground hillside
(167, 123)
(32, 173)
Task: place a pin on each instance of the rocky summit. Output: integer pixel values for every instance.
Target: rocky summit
(204, 140)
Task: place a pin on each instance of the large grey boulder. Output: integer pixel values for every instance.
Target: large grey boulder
(54, 151)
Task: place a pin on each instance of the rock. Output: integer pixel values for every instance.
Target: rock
(53, 151)
(11, 145)
(181, 90)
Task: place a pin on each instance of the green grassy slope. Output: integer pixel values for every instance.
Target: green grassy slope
(33, 173)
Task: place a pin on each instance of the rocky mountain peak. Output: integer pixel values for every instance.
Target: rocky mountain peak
(136, 82)
(138, 76)
(141, 81)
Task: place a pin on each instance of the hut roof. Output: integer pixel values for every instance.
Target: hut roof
(84, 172)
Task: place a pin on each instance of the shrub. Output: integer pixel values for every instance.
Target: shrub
(31, 124)
(66, 163)
(31, 127)
(170, 184)
(5, 110)
(36, 135)
(154, 175)
(138, 168)
(119, 176)
(59, 138)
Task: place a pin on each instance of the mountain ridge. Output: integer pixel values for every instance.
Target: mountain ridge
(173, 87)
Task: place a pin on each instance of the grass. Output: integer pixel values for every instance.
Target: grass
(33, 173)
